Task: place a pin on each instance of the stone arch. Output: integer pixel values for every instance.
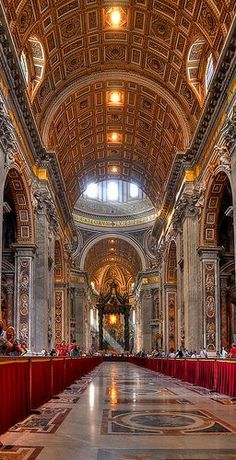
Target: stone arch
(23, 206)
(209, 221)
(95, 240)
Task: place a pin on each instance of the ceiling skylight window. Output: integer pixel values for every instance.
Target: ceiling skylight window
(112, 191)
(209, 72)
(133, 190)
(92, 191)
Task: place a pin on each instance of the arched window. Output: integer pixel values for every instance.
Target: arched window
(114, 190)
(200, 71)
(209, 72)
(32, 62)
(24, 67)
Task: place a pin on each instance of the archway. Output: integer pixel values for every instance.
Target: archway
(217, 238)
(17, 255)
(109, 260)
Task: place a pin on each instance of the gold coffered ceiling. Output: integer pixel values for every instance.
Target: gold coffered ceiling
(145, 57)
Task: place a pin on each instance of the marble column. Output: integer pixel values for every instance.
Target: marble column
(42, 284)
(191, 284)
(146, 313)
(223, 311)
(59, 308)
(79, 316)
(24, 293)
(171, 315)
(100, 328)
(2, 183)
(10, 299)
(127, 341)
(209, 257)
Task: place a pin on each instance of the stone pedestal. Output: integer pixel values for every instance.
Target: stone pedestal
(210, 297)
(25, 307)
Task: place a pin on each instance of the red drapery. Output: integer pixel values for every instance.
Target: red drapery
(28, 383)
(218, 375)
(14, 393)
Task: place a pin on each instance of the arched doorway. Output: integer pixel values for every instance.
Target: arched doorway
(218, 265)
(17, 256)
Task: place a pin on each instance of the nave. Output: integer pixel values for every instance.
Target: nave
(123, 412)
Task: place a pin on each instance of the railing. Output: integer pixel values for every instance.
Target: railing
(27, 383)
(218, 375)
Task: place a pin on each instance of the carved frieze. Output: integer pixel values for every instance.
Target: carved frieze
(7, 136)
(43, 201)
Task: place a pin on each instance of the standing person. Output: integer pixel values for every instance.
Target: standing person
(224, 353)
(203, 353)
(232, 351)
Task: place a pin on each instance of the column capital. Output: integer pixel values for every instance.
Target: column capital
(24, 249)
(209, 252)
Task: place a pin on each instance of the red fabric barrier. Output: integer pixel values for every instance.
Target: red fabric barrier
(28, 383)
(58, 375)
(14, 394)
(218, 375)
(40, 381)
(226, 378)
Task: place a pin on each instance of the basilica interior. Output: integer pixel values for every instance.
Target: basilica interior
(117, 224)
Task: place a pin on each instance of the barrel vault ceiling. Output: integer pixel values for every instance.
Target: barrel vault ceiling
(144, 59)
(112, 258)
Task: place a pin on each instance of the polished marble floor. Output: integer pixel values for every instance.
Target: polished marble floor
(123, 412)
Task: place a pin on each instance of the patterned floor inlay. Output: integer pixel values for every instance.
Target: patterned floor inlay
(159, 422)
(48, 421)
(225, 401)
(139, 391)
(10, 452)
(135, 400)
(133, 454)
(65, 398)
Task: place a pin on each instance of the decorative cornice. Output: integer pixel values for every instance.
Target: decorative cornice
(224, 74)
(17, 89)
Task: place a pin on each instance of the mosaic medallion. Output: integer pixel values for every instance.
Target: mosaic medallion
(157, 422)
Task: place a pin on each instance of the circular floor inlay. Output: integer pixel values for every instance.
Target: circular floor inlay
(158, 421)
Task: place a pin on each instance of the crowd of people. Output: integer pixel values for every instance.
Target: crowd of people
(184, 353)
(63, 349)
(9, 345)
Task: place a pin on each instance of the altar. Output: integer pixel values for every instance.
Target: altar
(113, 317)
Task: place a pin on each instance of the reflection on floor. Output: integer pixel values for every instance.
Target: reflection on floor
(123, 412)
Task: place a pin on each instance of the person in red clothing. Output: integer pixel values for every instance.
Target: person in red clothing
(232, 351)
(13, 346)
(62, 349)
